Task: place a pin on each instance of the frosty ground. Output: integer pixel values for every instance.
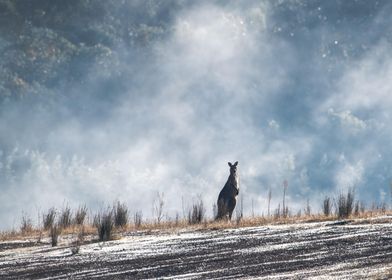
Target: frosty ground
(358, 249)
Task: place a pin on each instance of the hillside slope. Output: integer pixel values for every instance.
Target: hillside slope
(311, 250)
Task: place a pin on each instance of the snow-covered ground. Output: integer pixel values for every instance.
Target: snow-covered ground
(324, 250)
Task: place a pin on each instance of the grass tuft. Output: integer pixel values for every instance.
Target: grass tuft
(26, 225)
(345, 204)
(327, 206)
(137, 219)
(49, 218)
(196, 213)
(65, 217)
(80, 215)
(55, 231)
(120, 212)
(104, 223)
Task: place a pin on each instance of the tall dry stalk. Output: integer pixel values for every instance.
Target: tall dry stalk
(269, 202)
(285, 208)
(390, 186)
(253, 210)
(327, 206)
(158, 204)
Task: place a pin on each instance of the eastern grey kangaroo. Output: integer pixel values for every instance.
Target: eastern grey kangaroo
(227, 197)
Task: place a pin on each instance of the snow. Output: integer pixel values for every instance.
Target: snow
(310, 250)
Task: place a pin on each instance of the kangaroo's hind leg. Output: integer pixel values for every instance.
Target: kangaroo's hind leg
(231, 205)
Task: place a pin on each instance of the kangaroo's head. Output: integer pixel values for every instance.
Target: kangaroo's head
(233, 168)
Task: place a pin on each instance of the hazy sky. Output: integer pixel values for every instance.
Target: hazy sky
(293, 90)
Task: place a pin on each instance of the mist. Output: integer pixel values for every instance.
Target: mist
(293, 90)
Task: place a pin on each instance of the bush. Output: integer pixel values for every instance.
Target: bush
(120, 215)
(308, 209)
(65, 218)
(54, 234)
(80, 215)
(327, 206)
(357, 208)
(137, 219)
(196, 213)
(75, 248)
(105, 224)
(49, 218)
(345, 204)
(277, 213)
(27, 225)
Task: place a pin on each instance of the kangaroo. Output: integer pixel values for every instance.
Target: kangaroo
(227, 197)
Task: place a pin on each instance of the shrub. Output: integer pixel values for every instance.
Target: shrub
(345, 203)
(277, 213)
(177, 219)
(196, 213)
(54, 234)
(104, 223)
(357, 208)
(80, 215)
(327, 206)
(49, 218)
(120, 215)
(137, 218)
(27, 225)
(308, 209)
(65, 217)
(75, 248)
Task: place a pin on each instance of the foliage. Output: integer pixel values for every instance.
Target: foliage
(65, 217)
(327, 206)
(104, 223)
(120, 215)
(196, 213)
(49, 218)
(27, 224)
(80, 215)
(345, 204)
(55, 231)
(137, 218)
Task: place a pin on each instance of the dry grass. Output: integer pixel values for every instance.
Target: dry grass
(183, 224)
(36, 233)
(11, 235)
(87, 229)
(248, 222)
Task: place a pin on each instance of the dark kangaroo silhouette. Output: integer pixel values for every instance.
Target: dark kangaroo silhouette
(227, 198)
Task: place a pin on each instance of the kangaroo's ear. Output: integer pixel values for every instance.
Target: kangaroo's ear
(235, 164)
(229, 163)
